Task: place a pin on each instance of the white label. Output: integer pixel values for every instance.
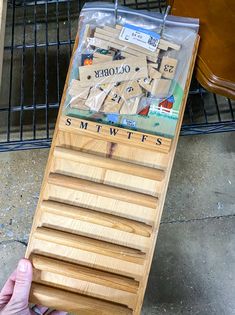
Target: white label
(139, 36)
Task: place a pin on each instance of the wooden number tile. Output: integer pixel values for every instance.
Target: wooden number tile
(154, 74)
(114, 71)
(129, 89)
(146, 84)
(75, 89)
(95, 99)
(78, 103)
(160, 87)
(113, 102)
(168, 67)
(130, 107)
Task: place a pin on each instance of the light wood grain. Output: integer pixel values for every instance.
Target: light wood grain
(99, 218)
(84, 273)
(102, 190)
(110, 164)
(74, 303)
(95, 230)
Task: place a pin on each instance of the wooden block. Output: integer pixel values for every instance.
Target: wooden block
(123, 45)
(146, 84)
(168, 67)
(75, 89)
(129, 89)
(112, 30)
(107, 87)
(78, 103)
(118, 26)
(95, 99)
(154, 74)
(114, 71)
(160, 87)
(104, 57)
(113, 102)
(130, 107)
(98, 43)
(166, 43)
(153, 65)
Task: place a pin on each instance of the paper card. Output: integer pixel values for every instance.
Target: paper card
(140, 36)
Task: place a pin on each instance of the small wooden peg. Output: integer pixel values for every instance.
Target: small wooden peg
(168, 67)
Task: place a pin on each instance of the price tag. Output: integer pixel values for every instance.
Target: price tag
(140, 36)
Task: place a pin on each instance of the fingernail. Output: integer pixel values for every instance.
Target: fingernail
(23, 265)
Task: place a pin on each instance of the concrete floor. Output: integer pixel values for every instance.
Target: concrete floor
(193, 270)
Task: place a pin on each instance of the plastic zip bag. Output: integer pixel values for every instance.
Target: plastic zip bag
(124, 72)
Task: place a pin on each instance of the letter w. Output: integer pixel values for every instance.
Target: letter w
(113, 131)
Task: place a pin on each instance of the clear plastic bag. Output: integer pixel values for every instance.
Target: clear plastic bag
(127, 72)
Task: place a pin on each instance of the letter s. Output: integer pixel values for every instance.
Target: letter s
(159, 141)
(68, 122)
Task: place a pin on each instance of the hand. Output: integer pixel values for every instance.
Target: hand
(14, 297)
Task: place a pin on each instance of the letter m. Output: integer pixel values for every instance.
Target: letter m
(83, 125)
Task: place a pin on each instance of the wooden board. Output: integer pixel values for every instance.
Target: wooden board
(97, 220)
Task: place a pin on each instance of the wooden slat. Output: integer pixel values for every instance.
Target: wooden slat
(74, 303)
(99, 203)
(102, 190)
(94, 231)
(83, 273)
(96, 217)
(87, 258)
(90, 245)
(70, 277)
(111, 164)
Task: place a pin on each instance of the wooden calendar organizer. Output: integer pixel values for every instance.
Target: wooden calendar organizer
(97, 220)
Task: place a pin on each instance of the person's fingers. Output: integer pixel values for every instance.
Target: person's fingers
(41, 309)
(57, 313)
(22, 286)
(7, 290)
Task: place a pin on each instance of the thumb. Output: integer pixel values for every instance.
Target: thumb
(20, 296)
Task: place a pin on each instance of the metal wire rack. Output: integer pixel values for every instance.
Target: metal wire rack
(38, 44)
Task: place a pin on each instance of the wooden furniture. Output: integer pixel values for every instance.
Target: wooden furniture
(3, 12)
(97, 220)
(215, 64)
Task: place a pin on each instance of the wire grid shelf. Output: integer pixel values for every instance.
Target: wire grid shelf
(38, 45)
